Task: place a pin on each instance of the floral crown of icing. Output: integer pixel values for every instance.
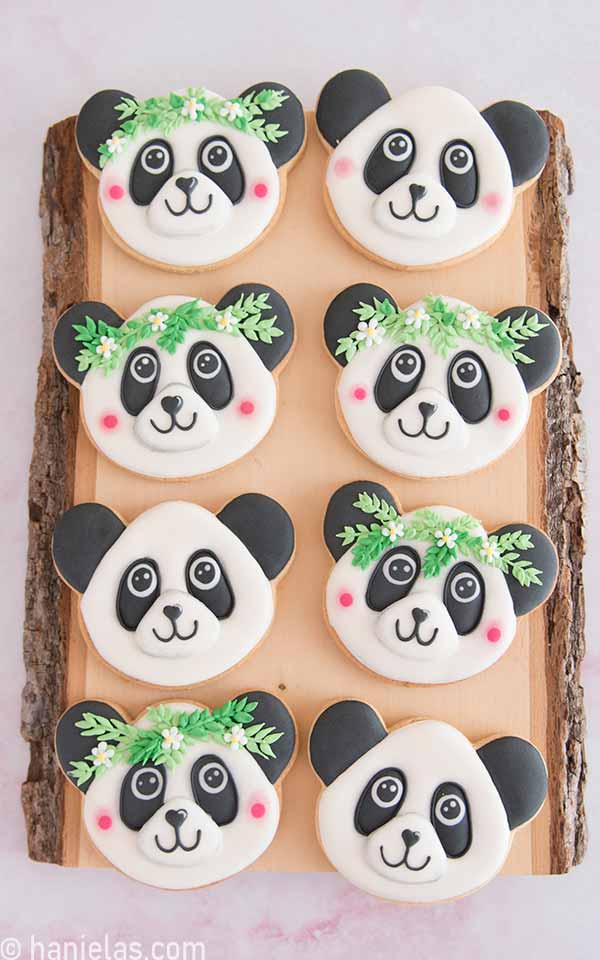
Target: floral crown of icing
(167, 113)
(448, 539)
(104, 346)
(443, 325)
(170, 734)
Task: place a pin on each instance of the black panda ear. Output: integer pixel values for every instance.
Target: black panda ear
(272, 353)
(519, 774)
(97, 121)
(346, 100)
(66, 347)
(341, 734)
(544, 349)
(70, 744)
(523, 134)
(341, 320)
(273, 712)
(81, 538)
(264, 527)
(341, 512)
(541, 556)
(290, 117)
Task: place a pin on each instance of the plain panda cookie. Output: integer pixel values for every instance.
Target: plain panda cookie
(184, 796)
(424, 178)
(419, 814)
(182, 387)
(428, 596)
(191, 180)
(439, 388)
(180, 595)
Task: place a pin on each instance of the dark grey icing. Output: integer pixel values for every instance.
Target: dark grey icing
(341, 512)
(469, 386)
(264, 527)
(346, 100)
(210, 375)
(202, 570)
(399, 377)
(152, 167)
(150, 782)
(451, 819)
(544, 349)
(341, 734)
(70, 745)
(65, 346)
(459, 174)
(218, 160)
(133, 598)
(464, 597)
(389, 787)
(393, 577)
(273, 712)
(139, 379)
(97, 121)
(543, 556)
(519, 775)
(290, 115)
(391, 158)
(523, 134)
(273, 353)
(220, 800)
(340, 320)
(81, 538)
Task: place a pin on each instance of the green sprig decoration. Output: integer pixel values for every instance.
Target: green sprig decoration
(166, 114)
(444, 327)
(103, 346)
(170, 734)
(449, 539)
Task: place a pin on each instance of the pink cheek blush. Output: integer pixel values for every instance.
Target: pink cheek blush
(492, 202)
(104, 821)
(343, 167)
(494, 634)
(359, 393)
(346, 599)
(110, 421)
(503, 414)
(246, 408)
(260, 190)
(258, 810)
(115, 192)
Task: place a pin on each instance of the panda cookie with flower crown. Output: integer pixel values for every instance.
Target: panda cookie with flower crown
(428, 596)
(191, 180)
(184, 796)
(182, 387)
(439, 388)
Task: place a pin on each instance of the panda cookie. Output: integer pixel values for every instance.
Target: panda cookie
(428, 596)
(182, 387)
(419, 814)
(424, 178)
(184, 796)
(439, 388)
(180, 595)
(191, 180)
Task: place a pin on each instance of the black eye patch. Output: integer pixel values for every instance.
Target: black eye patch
(393, 578)
(469, 387)
(214, 789)
(464, 597)
(142, 794)
(140, 379)
(138, 589)
(218, 160)
(380, 800)
(399, 377)
(390, 159)
(207, 582)
(210, 375)
(451, 819)
(152, 168)
(458, 172)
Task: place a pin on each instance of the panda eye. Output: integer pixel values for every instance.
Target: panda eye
(391, 159)
(142, 794)
(399, 377)
(209, 375)
(451, 819)
(393, 578)
(138, 589)
(214, 789)
(458, 172)
(206, 581)
(218, 160)
(152, 167)
(139, 380)
(380, 800)
(469, 387)
(464, 597)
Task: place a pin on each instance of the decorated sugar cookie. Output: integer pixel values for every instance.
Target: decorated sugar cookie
(182, 387)
(419, 814)
(439, 388)
(191, 179)
(184, 796)
(423, 178)
(179, 595)
(428, 596)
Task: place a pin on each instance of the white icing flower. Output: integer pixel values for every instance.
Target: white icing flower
(103, 755)
(116, 143)
(172, 738)
(192, 108)
(106, 347)
(231, 110)
(370, 332)
(393, 530)
(489, 551)
(226, 321)
(158, 322)
(236, 738)
(416, 318)
(446, 538)
(469, 319)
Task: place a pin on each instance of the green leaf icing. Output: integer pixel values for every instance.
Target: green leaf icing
(443, 325)
(165, 114)
(103, 347)
(169, 735)
(449, 539)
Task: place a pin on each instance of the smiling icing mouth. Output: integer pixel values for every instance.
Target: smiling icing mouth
(413, 213)
(188, 207)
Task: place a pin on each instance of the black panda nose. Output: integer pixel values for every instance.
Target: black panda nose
(410, 837)
(172, 613)
(175, 818)
(426, 410)
(417, 191)
(171, 404)
(187, 184)
(419, 616)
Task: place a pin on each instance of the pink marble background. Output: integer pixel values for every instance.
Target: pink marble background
(53, 56)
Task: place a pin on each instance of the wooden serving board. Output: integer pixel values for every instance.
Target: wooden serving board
(533, 691)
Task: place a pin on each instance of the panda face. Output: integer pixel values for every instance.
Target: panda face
(191, 191)
(180, 595)
(423, 178)
(184, 412)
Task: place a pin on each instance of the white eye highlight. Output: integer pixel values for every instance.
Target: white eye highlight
(450, 810)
